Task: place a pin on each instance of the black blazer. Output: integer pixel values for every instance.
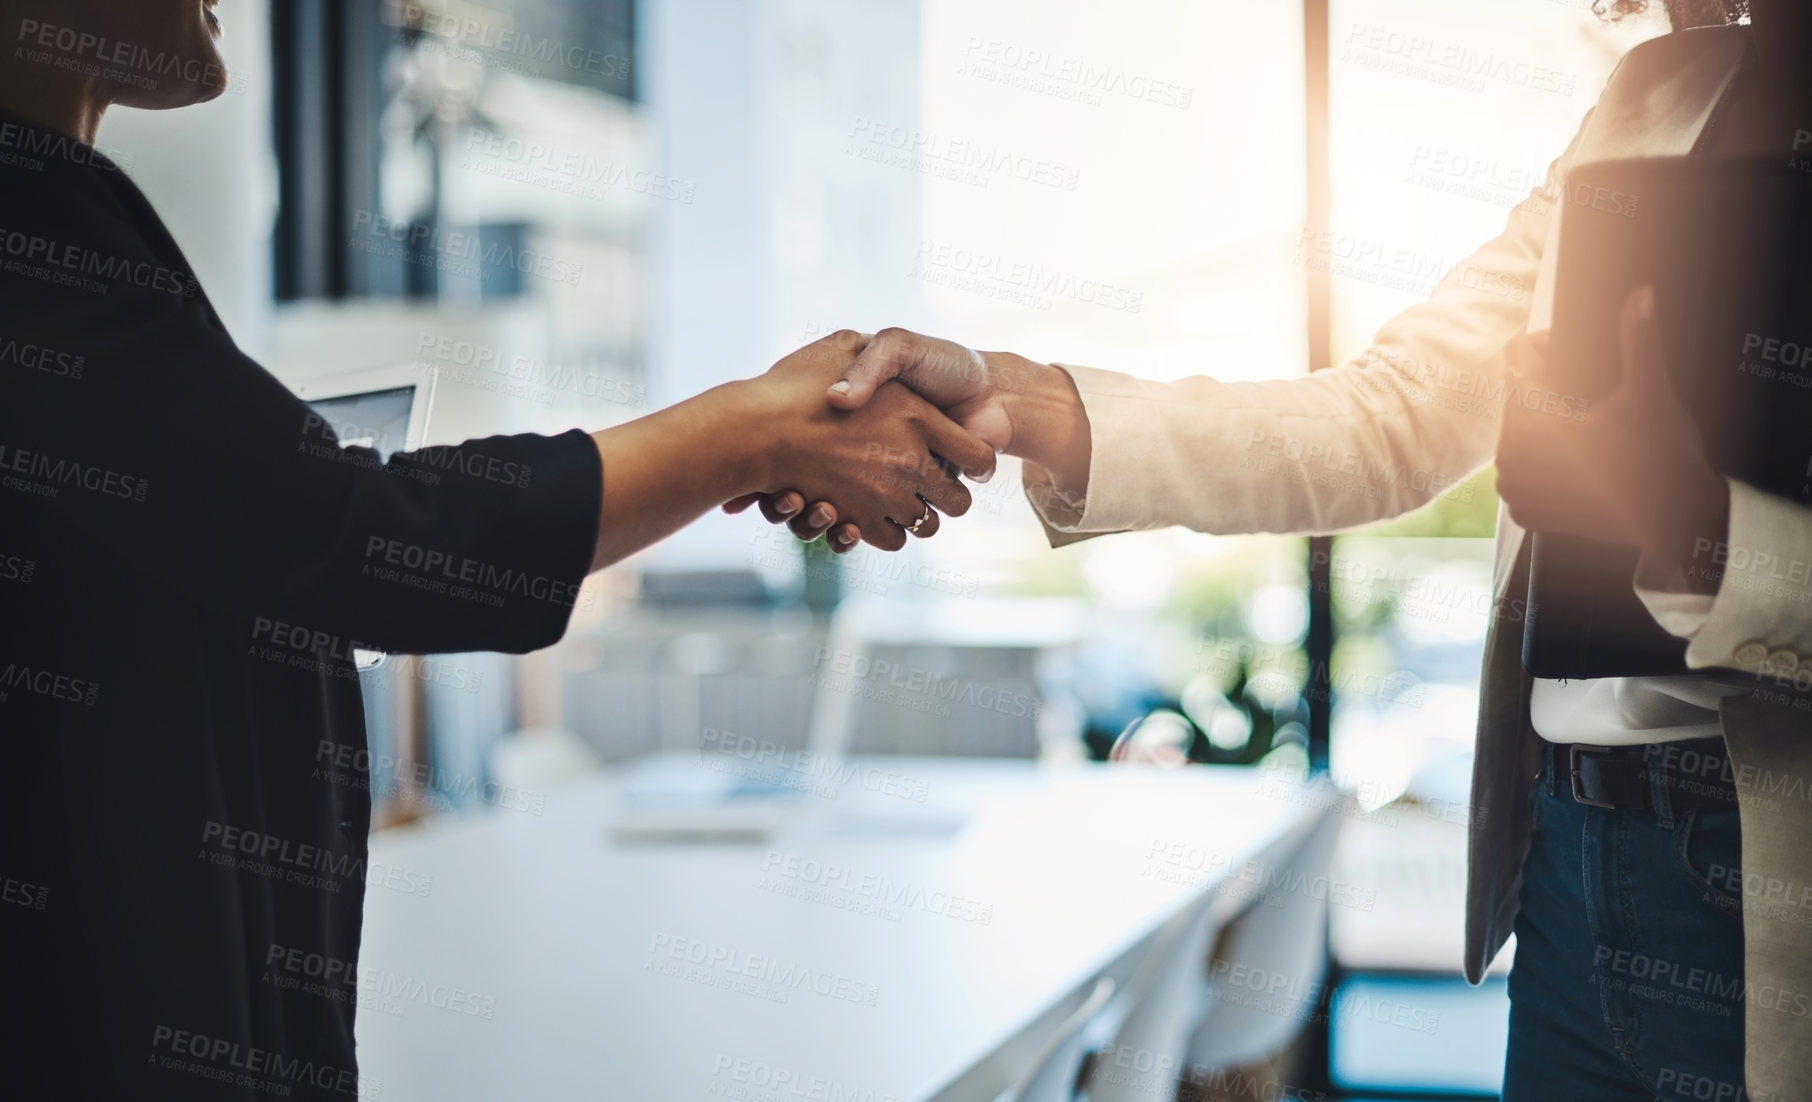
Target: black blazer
(187, 560)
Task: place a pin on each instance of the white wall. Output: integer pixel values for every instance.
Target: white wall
(787, 237)
(211, 173)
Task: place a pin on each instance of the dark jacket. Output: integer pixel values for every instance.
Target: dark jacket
(187, 560)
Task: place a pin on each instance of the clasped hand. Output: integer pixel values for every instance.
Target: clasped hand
(999, 401)
(875, 471)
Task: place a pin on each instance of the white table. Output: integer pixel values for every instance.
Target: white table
(541, 962)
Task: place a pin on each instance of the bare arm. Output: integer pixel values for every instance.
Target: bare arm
(663, 471)
(881, 463)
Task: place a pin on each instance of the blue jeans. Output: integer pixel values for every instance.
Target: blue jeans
(1628, 981)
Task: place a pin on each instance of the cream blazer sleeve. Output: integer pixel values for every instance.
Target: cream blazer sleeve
(1760, 620)
(1406, 421)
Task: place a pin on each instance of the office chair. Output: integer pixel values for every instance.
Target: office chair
(1052, 1076)
(923, 677)
(1161, 1004)
(1287, 939)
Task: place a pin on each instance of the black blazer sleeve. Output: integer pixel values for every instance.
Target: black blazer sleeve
(127, 412)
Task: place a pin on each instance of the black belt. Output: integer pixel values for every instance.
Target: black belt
(1696, 773)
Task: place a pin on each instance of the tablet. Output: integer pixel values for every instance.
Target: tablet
(1727, 244)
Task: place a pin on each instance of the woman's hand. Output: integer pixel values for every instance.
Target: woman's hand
(889, 466)
(787, 507)
(1022, 408)
(1631, 469)
(884, 465)
(962, 382)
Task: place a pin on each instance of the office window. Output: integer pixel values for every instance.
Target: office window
(1067, 180)
(1444, 117)
(1120, 187)
(402, 125)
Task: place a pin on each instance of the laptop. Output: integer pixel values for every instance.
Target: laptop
(381, 408)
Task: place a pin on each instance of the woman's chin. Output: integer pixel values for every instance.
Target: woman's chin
(201, 77)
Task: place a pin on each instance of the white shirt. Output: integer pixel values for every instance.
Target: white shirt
(1626, 711)
(1630, 711)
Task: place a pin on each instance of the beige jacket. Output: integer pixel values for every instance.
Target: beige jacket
(1412, 418)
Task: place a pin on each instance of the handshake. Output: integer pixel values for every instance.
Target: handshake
(870, 434)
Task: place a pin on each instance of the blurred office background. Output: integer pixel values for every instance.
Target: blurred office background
(696, 187)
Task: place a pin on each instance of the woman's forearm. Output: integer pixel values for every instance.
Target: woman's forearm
(665, 470)
(762, 435)
(1050, 425)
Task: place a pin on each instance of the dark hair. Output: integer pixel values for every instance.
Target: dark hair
(1680, 13)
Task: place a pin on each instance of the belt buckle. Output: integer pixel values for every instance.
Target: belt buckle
(1573, 751)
